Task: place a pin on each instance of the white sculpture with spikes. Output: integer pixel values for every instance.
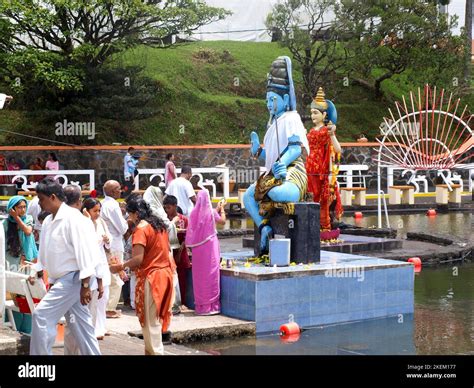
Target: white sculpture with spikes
(427, 132)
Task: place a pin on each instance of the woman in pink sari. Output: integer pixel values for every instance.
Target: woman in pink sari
(201, 237)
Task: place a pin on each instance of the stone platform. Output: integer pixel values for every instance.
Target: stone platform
(341, 288)
(350, 244)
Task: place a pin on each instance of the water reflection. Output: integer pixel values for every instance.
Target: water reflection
(443, 323)
(378, 337)
(454, 224)
(444, 310)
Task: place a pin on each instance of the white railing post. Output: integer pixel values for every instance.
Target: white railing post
(24, 174)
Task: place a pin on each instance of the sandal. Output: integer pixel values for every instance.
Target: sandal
(112, 314)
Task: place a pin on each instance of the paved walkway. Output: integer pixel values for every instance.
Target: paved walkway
(125, 333)
(185, 327)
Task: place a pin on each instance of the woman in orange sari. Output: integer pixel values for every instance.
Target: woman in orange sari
(152, 261)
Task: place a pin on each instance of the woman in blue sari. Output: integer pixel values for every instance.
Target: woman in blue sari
(19, 242)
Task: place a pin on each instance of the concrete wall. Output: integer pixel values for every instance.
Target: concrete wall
(107, 161)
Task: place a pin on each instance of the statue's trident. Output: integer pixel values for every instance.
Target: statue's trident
(275, 107)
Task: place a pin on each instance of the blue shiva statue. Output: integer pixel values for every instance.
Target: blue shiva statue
(284, 181)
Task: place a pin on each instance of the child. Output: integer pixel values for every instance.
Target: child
(170, 203)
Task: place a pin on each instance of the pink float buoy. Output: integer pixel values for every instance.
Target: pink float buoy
(358, 215)
(417, 263)
(431, 212)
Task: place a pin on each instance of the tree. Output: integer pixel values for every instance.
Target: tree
(311, 41)
(96, 29)
(56, 41)
(388, 37)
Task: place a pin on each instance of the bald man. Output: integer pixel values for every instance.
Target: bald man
(113, 217)
(73, 196)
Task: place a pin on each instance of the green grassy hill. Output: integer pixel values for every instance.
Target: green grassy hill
(217, 92)
(213, 92)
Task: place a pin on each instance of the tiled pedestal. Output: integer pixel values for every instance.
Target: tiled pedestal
(341, 288)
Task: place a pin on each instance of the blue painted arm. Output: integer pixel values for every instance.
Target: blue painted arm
(293, 151)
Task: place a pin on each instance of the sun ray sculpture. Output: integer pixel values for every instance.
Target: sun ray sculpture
(428, 131)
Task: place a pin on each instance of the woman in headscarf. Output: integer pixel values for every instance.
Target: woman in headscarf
(152, 261)
(153, 196)
(4, 180)
(201, 237)
(20, 241)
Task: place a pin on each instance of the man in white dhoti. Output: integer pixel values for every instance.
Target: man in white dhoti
(113, 217)
(67, 254)
(74, 200)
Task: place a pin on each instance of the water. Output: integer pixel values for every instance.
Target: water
(453, 224)
(443, 321)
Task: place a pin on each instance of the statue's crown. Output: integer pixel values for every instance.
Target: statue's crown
(319, 102)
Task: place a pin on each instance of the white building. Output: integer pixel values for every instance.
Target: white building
(247, 22)
(458, 8)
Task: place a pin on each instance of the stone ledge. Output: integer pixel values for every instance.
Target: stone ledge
(214, 333)
(432, 238)
(383, 232)
(12, 342)
(435, 256)
(234, 233)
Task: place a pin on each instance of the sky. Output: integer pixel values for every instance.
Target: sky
(248, 20)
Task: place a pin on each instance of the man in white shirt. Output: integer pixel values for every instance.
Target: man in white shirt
(183, 190)
(4, 99)
(118, 226)
(68, 256)
(74, 200)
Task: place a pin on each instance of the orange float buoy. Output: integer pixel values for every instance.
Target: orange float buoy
(358, 215)
(431, 212)
(60, 333)
(417, 263)
(290, 328)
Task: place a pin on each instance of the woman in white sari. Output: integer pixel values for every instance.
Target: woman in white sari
(98, 305)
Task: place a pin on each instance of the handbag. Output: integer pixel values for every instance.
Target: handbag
(173, 237)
